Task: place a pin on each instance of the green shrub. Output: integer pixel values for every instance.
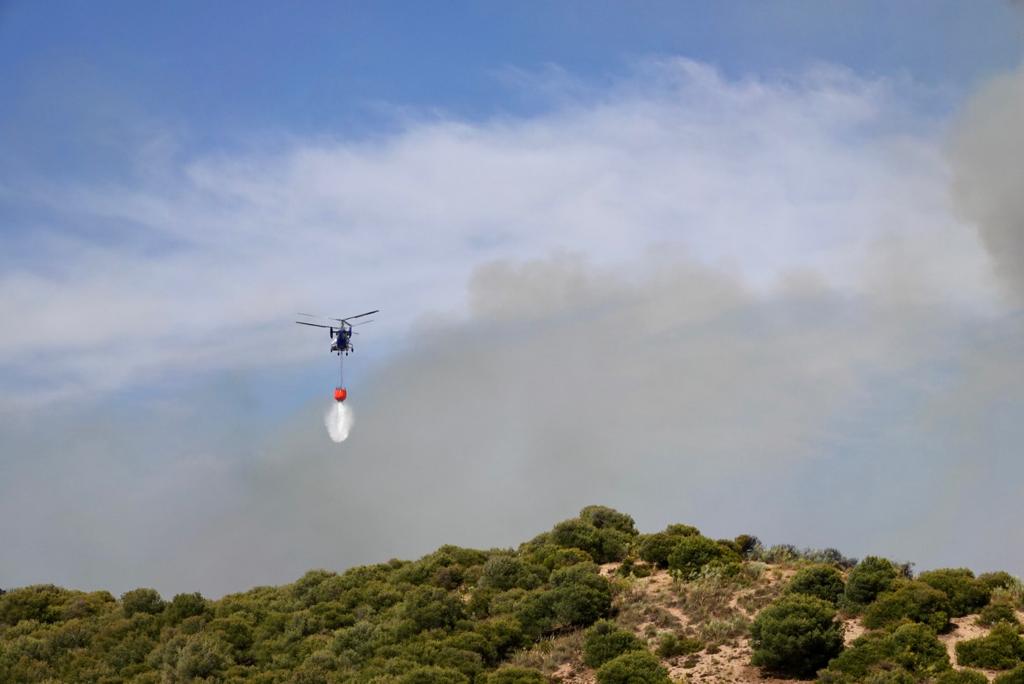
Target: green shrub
(681, 530)
(867, 580)
(515, 675)
(184, 606)
(911, 646)
(998, 611)
(605, 544)
(671, 645)
(890, 676)
(829, 556)
(655, 548)
(604, 640)
(998, 580)
(915, 601)
(579, 596)
(797, 635)
(747, 543)
(506, 571)
(961, 677)
(636, 667)
(1014, 676)
(432, 608)
(821, 581)
(431, 674)
(692, 554)
(202, 656)
(966, 594)
(553, 557)
(141, 601)
(603, 517)
(1001, 649)
(41, 602)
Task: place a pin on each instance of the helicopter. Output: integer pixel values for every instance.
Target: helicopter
(340, 330)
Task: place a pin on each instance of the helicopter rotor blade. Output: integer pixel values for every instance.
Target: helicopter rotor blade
(359, 315)
(326, 318)
(312, 325)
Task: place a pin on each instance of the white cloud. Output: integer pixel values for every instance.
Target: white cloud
(757, 176)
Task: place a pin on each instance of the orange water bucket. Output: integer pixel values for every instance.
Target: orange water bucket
(340, 393)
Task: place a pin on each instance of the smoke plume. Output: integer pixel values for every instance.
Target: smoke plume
(987, 153)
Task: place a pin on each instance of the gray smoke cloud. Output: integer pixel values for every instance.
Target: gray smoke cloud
(987, 153)
(873, 407)
(877, 423)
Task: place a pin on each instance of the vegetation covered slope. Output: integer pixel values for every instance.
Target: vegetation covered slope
(590, 601)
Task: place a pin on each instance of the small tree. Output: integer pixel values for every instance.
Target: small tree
(693, 554)
(604, 640)
(962, 677)
(1001, 649)
(603, 517)
(797, 635)
(912, 647)
(966, 594)
(911, 600)
(998, 611)
(141, 601)
(635, 667)
(1014, 676)
(867, 580)
(185, 606)
(821, 581)
(505, 571)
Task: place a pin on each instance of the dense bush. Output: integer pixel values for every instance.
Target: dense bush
(1014, 676)
(961, 677)
(915, 601)
(604, 544)
(822, 581)
(454, 616)
(604, 640)
(579, 596)
(603, 517)
(998, 580)
(671, 645)
(966, 594)
(998, 611)
(141, 601)
(747, 543)
(912, 647)
(432, 674)
(507, 571)
(867, 580)
(636, 667)
(524, 675)
(655, 548)
(41, 602)
(184, 606)
(796, 636)
(1000, 649)
(692, 554)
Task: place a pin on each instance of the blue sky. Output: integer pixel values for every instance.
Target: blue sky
(787, 235)
(85, 79)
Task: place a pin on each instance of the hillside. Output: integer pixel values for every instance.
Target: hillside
(592, 600)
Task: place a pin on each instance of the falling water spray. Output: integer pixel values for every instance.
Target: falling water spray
(338, 420)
